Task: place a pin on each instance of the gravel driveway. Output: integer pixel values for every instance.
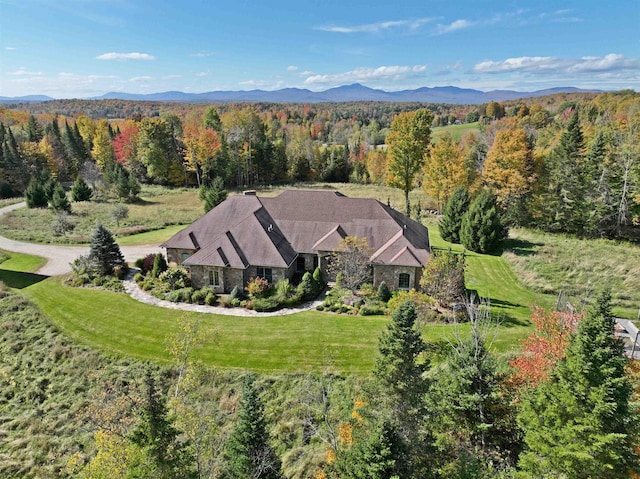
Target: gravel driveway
(59, 257)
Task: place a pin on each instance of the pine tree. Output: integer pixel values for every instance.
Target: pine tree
(105, 250)
(248, 453)
(80, 191)
(455, 209)
(59, 201)
(482, 227)
(400, 387)
(33, 130)
(565, 198)
(214, 194)
(581, 423)
(157, 436)
(35, 194)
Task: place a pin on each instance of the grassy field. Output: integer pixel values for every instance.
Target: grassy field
(550, 263)
(160, 207)
(455, 130)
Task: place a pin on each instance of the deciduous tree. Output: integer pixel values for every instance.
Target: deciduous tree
(352, 259)
(444, 170)
(408, 143)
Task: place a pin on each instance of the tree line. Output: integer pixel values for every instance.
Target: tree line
(574, 168)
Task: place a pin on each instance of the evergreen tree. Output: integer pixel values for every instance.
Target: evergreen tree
(384, 294)
(482, 227)
(565, 197)
(581, 422)
(80, 191)
(33, 129)
(159, 265)
(35, 195)
(451, 220)
(373, 457)
(105, 250)
(213, 195)
(400, 387)
(59, 201)
(157, 436)
(248, 453)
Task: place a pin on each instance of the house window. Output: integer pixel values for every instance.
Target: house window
(214, 278)
(301, 264)
(403, 280)
(265, 273)
(185, 256)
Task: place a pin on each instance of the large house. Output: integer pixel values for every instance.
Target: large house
(275, 237)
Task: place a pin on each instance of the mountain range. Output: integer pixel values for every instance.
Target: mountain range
(354, 92)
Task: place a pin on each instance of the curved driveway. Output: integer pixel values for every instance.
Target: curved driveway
(58, 257)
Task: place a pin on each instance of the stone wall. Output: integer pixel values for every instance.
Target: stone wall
(200, 277)
(174, 255)
(391, 275)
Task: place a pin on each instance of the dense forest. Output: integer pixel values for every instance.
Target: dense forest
(562, 163)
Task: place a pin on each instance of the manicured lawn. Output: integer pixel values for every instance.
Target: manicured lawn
(150, 237)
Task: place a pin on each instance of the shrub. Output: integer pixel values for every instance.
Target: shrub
(199, 296)
(159, 265)
(173, 296)
(265, 304)
(5, 190)
(176, 278)
(306, 287)
(146, 264)
(211, 299)
(384, 294)
(119, 212)
(85, 267)
(61, 224)
(319, 281)
(421, 301)
(258, 287)
(236, 294)
(371, 310)
(138, 277)
(284, 288)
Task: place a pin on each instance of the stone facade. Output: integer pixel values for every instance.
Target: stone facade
(177, 256)
(391, 276)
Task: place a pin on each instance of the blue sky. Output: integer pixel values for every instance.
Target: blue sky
(84, 48)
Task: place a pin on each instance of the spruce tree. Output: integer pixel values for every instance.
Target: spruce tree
(454, 210)
(581, 422)
(482, 227)
(59, 201)
(248, 453)
(80, 191)
(35, 195)
(398, 395)
(33, 129)
(105, 250)
(156, 434)
(214, 194)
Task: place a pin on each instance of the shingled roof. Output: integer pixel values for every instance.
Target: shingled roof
(271, 231)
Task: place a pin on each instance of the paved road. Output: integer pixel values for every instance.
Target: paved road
(59, 257)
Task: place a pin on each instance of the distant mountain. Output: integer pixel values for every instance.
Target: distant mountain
(355, 92)
(25, 99)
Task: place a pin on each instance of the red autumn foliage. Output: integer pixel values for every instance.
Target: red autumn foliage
(124, 144)
(544, 347)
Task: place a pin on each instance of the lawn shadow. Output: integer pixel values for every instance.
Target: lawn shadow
(519, 247)
(20, 280)
(508, 320)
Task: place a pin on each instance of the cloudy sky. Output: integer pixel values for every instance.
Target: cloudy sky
(84, 48)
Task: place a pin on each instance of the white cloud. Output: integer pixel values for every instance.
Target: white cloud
(456, 25)
(292, 68)
(394, 72)
(202, 74)
(140, 79)
(9, 48)
(306, 73)
(376, 27)
(171, 77)
(22, 72)
(125, 56)
(201, 54)
(543, 65)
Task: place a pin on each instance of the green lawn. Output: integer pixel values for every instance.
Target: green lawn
(456, 130)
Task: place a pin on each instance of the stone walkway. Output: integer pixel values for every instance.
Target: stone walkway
(58, 258)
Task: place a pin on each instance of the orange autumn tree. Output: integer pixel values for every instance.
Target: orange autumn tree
(542, 350)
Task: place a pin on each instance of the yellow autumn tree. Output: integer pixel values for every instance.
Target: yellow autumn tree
(444, 170)
(510, 169)
(102, 147)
